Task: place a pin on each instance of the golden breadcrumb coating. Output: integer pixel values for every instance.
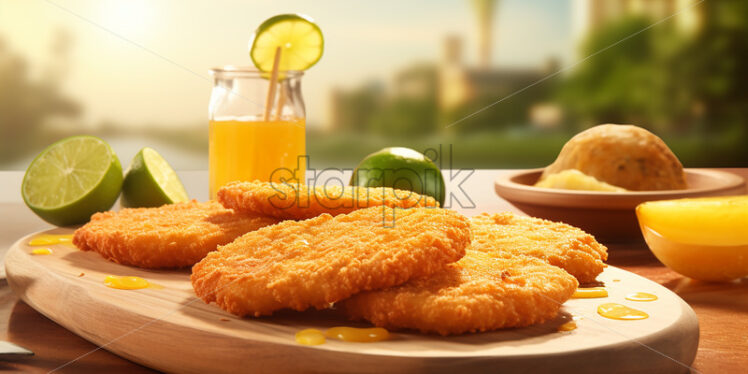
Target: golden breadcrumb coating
(312, 263)
(507, 234)
(478, 293)
(171, 236)
(291, 201)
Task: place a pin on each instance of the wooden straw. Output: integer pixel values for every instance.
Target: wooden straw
(281, 103)
(273, 83)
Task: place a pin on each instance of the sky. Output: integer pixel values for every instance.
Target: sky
(139, 62)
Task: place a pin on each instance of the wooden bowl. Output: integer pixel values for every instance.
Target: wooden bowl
(609, 216)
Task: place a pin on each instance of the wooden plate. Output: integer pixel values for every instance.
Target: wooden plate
(170, 329)
(609, 216)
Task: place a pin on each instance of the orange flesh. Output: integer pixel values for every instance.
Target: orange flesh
(712, 221)
(702, 238)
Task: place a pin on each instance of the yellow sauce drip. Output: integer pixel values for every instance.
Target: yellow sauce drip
(621, 312)
(568, 326)
(571, 325)
(641, 296)
(128, 283)
(310, 337)
(616, 280)
(49, 239)
(352, 334)
(41, 251)
(590, 293)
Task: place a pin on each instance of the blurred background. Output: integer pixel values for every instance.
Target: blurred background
(505, 82)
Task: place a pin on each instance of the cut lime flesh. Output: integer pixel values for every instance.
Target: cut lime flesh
(72, 179)
(299, 38)
(151, 182)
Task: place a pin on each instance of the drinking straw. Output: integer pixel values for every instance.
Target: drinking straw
(281, 102)
(273, 83)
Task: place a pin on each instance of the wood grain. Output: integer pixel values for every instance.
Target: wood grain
(169, 329)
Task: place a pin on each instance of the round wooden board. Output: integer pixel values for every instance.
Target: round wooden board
(170, 329)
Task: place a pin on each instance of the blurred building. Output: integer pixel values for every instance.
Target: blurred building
(450, 83)
(459, 83)
(485, 11)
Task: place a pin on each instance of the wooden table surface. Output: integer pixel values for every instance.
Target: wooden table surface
(722, 308)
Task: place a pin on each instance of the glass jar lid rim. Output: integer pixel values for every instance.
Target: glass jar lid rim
(249, 71)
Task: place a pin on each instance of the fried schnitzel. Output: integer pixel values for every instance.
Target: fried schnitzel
(312, 263)
(507, 234)
(171, 236)
(478, 293)
(289, 201)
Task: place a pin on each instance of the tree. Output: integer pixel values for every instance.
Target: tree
(620, 84)
(405, 117)
(662, 78)
(25, 105)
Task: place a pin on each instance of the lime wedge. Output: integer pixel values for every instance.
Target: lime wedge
(72, 179)
(151, 182)
(298, 36)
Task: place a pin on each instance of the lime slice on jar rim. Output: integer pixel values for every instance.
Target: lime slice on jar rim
(72, 179)
(299, 38)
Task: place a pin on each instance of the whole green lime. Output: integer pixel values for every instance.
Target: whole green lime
(72, 179)
(400, 168)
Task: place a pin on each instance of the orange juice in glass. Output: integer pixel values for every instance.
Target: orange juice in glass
(248, 142)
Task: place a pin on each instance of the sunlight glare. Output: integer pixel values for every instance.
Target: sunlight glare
(130, 17)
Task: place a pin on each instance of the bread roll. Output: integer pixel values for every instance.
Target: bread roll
(621, 155)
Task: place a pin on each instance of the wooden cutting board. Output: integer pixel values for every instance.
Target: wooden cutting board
(170, 329)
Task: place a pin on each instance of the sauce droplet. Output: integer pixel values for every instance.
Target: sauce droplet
(590, 293)
(641, 296)
(41, 251)
(352, 334)
(128, 283)
(49, 239)
(568, 326)
(621, 312)
(310, 337)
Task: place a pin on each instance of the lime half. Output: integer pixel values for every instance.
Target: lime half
(72, 179)
(151, 182)
(400, 168)
(298, 36)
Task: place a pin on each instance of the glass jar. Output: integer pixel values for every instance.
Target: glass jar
(253, 137)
